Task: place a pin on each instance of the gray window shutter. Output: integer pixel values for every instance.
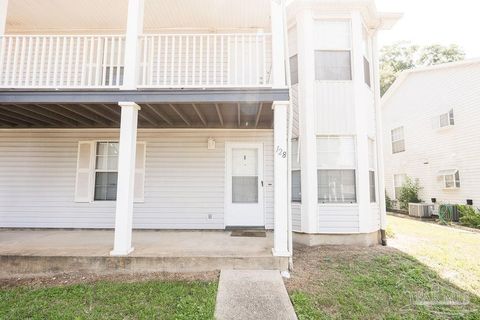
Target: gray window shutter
(85, 172)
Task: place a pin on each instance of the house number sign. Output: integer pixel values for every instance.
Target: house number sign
(280, 152)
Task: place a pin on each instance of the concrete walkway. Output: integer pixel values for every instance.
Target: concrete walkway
(252, 294)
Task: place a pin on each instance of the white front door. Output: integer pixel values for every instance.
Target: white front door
(244, 186)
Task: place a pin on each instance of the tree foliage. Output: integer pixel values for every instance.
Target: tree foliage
(409, 193)
(403, 55)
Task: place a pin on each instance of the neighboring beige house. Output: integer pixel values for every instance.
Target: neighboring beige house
(431, 132)
(175, 114)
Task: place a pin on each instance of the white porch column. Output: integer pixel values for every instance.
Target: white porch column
(379, 135)
(132, 48)
(307, 121)
(278, 43)
(126, 175)
(361, 124)
(280, 172)
(3, 16)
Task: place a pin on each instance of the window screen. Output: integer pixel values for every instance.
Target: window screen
(336, 186)
(333, 65)
(296, 186)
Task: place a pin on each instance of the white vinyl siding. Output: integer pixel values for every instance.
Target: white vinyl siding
(184, 181)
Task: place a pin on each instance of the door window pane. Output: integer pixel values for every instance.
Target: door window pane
(336, 186)
(245, 176)
(245, 189)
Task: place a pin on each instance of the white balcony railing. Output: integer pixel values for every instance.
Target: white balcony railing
(61, 61)
(205, 60)
(166, 61)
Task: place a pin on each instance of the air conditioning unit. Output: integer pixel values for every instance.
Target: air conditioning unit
(420, 210)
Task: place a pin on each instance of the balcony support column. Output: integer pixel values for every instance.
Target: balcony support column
(278, 43)
(126, 177)
(132, 44)
(3, 16)
(280, 178)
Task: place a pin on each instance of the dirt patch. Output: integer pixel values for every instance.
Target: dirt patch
(80, 278)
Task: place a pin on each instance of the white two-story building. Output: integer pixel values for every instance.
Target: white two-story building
(431, 132)
(176, 114)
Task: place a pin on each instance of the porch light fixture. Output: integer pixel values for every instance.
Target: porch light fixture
(211, 144)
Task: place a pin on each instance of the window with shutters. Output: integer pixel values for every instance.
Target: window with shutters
(97, 171)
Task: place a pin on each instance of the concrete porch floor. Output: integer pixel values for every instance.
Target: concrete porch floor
(46, 251)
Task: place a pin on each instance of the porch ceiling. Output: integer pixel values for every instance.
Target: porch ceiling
(51, 16)
(256, 115)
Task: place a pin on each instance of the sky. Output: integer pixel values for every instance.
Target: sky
(435, 21)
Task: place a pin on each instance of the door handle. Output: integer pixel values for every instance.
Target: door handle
(262, 183)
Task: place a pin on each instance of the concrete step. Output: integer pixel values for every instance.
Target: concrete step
(13, 265)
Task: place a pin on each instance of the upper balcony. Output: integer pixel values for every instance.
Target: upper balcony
(71, 44)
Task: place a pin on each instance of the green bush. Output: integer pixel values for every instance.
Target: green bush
(409, 193)
(388, 202)
(469, 216)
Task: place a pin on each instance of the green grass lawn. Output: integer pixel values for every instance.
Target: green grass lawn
(386, 283)
(111, 300)
(453, 253)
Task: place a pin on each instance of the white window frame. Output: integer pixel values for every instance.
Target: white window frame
(353, 168)
(455, 179)
(395, 196)
(349, 48)
(450, 119)
(95, 170)
(367, 55)
(402, 128)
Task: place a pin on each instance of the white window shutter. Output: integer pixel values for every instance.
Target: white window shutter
(85, 171)
(139, 188)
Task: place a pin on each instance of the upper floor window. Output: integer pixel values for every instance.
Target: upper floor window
(398, 140)
(333, 65)
(366, 57)
(447, 119)
(294, 69)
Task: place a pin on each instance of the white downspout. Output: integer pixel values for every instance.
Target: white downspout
(379, 139)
